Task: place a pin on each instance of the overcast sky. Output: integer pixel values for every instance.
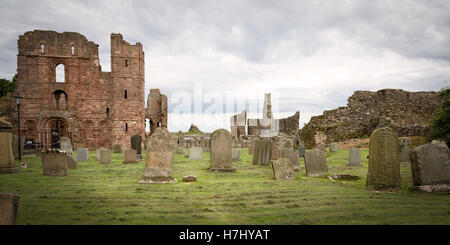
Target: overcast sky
(311, 55)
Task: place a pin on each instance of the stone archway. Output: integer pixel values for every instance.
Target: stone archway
(56, 128)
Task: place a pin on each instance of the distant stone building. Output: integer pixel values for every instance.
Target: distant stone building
(156, 110)
(265, 127)
(66, 93)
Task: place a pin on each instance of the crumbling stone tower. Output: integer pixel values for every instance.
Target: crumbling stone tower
(156, 110)
(66, 94)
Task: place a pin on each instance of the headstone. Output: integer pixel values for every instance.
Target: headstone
(130, 156)
(136, 141)
(236, 155)
(71, 162)
(6, 152)
(116, 148)
(221, 151)
(9, 204)
(405, 152)
(354, 157)
(195, 153)
(384, 162)
(320, 139)
(104, 156)
(334, 147)
(257, 148)
(54, 162)
(292, 155)
(189, 178)
(430, 164)
(65, 145)
(83, 154)
(301, 151)
(251, 148)
(282, 169)
(316, 163)
(158, 166)
(263, 152)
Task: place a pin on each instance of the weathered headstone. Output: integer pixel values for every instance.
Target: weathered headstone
(195, 153)
(9, 204)
(221, 151)
(334, 147)
(189, 178)
(354, 157)
(316, 163)
(384, 162)
(292, 155)
(282, 169)
(83, 154)
(320, 139)
(65, 145)
(263, 152)
(6, 153)
(104, 156)
(116, 148)
(301, 151)
(430, 164)
(54, 162)
(136, 141)
(71, 162)
(405, 152)
(130, 156)
(257, 148)
(236, 155)
(158, 166)
(179, 150)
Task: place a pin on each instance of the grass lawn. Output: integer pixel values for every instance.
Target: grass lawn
(109, 194)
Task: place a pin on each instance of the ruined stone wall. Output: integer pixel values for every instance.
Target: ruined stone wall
(408, 113)
(156, 110)
(84, 107)
(238, 123)
(289, 125)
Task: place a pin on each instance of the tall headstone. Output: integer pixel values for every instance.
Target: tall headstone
(384, 162)
(82, 154)
(54, 162)
(116, 148)
(263, 152)
(282, 169)
(334, 147)
(9, 204)
(320, 139)
(274, 151)
(130, 156)
(236, 155)
(404, 151)
(136, 141)
(221, 151)
(66, 145)
(104, 156)
(301, 151)
(158, 166)
(195, 153)
(430, 164)
(316, 163)
(354, 157)
(6, 153)
(292, 155)
(257, 148)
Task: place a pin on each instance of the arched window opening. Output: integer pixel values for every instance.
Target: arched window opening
(60, 74)
(126, 94)
(73, 49)
(42, 48)
(126, 62)
(60, 100)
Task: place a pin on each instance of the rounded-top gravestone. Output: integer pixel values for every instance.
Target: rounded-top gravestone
(221, 151)
(354, 157)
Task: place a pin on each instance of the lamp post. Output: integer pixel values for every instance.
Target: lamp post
(18, 102)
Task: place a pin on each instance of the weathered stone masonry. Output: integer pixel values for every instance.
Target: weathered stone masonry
(92, 108)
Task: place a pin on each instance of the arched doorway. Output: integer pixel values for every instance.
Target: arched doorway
(58, 128)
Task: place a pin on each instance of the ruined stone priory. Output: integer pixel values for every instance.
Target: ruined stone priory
(7, 165)
(9, 204)
(221, 151)
(159, 162)
(384, 161)
(66, 93)
(316, 163)
(283, 169)
(54, 162)
(156, 110)
(354, 157)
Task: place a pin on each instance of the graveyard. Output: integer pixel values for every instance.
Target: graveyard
(95, 193)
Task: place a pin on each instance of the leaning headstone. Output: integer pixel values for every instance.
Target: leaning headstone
(221, 151)
(65, 145)
(316, 163)
(104, 156)
(158, 166)
(6, 153)
(9, 204)
(384, 162)
(136, 141)
(82, 154)
(130, 156)
(236, 155)
(282, 169)
(54, 162)
(334, 147)
(430, 164)
(292, 155)
(354, 157)
(301, 151)
(195, 153)
(116, 148)
(405, 152)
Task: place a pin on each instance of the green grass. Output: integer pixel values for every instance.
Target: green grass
(109, 194)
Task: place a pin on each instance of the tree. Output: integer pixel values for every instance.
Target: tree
(440, 125)
(7, 86)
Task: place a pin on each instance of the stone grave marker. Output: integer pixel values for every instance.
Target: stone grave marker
(82, 154)
(354, 157)
(136, 141)
(54, 162)
(316, 163)
(282, 169)
(7, 165)
(334, 147)
(236, 155)
(130, 156)
(116, 148)
(9, 204)
(104, 156)
(221, 151)
(195, 153)
(292, 155)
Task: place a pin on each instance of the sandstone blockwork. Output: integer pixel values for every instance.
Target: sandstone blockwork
(66, 93)
(156, 110)
(407, 113)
